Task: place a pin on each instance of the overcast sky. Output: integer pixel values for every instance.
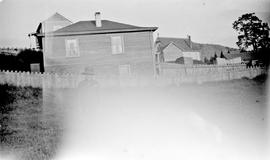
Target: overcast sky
(207, 21)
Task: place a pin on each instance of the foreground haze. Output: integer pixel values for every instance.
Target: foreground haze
(218, 120)
(225, 120)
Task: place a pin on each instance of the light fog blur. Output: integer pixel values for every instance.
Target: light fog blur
(225, 121)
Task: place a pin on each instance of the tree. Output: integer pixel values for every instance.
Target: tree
(206, 60)
(222, 55)
(252, 32)
(215, 56)
(213, 59)
(28, 56)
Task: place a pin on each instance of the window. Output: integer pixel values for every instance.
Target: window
(35, 67)
(117, 45)
(72, 48)
(124, 70)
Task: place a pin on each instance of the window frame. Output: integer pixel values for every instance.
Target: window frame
(77, 48)
(122, 44)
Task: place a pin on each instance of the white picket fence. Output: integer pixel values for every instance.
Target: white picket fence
(38, 79)
(205, 73)
(54, 80)
(170, 74)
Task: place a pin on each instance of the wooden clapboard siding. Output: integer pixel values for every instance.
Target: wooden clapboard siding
(95, 60)
(135, 44)
(137, 69)
(95, 50)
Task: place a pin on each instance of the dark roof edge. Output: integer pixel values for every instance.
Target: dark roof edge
(100, 31)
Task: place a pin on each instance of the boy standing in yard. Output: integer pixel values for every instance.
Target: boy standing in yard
(83, 113)
(89, 82)
(88, 90)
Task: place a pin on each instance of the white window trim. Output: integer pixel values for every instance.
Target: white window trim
(122, 44)
(77, 45)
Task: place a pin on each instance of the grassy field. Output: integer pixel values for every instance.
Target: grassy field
(218, 120)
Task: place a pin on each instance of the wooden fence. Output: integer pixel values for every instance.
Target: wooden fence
(206, 73)
(53, 80)
(170, 73)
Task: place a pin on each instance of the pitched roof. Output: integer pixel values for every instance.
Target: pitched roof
(56, 17)
(181, 43)
(83, 27)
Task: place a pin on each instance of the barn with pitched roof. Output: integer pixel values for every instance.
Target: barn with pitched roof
(109, 47)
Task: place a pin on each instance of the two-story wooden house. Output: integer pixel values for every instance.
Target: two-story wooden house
(109, 47)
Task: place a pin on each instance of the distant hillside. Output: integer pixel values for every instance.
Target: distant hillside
(209, 50)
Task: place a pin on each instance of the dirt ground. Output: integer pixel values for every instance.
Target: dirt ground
(218, 120)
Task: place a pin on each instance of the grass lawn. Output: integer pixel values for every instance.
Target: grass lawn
(25, 131)
(217, 120)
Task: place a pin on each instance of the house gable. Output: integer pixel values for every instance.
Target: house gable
(171, 52)
(181, 43)
(57, 17)
(53, 23)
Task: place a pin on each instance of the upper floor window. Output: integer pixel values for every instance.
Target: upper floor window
(117, 44)
(72, 48)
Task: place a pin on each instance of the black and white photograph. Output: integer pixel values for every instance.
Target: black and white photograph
(134, 79)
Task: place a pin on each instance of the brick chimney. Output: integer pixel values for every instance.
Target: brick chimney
(98, 19)
(189, 41)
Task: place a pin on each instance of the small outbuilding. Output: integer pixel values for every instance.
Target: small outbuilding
(170, 49)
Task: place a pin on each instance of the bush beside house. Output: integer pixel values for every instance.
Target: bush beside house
(22, 61)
